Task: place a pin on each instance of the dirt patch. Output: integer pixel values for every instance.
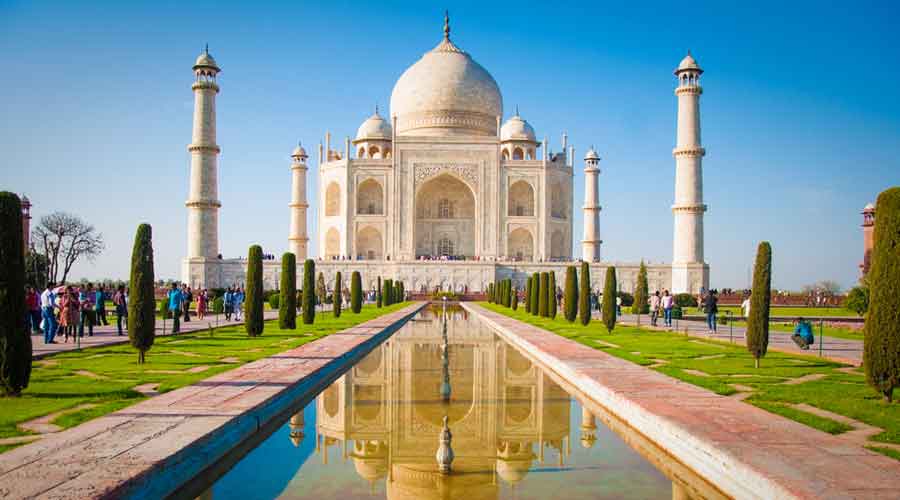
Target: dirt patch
(804, 379)
(198, 369)
(148, 390)
(607, 344)
(230, 359)
(85, 373)
(42, 425)
(186, 353)
(697, 373)
(711, 356)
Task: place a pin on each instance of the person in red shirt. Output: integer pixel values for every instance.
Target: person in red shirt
(33, 310)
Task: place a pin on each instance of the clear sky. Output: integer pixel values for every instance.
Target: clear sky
(800, 112)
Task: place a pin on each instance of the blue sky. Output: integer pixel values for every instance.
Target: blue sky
(800, 114)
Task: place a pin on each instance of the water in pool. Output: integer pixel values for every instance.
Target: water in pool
(376, 431)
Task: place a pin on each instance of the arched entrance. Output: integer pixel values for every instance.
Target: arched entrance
(520, 245)
(369, 244)
(445, 218)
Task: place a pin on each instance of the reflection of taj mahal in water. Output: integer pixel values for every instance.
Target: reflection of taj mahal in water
(443, 193)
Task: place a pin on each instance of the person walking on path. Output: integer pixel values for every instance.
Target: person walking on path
(100, 309)
(745, 307)
(654, 308)
(70, 312)
(32, 310)
(88, 299)
(228, 303)
(121, 302)
(202, 300)
(188, 296)
(711, 307)
(238, 303)
(668, 301)
(176, 299)
(618, 305)
(48, 313)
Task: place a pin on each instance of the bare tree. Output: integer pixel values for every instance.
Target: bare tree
(65, 238)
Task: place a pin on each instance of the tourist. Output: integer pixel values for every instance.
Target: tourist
(202, 300)
(803, 335)
(618, 305)
(711, 307)
(70, 309)
(176, 298)
(654, 308)
(120, 300)
(188, 298)
(48, 313)
(745, 306)
(88, 299)
(668, 301)
(100, 306)
(228, 303)
(32, 310)
(238, 300)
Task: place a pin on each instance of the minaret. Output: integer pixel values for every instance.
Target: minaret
(868, 226)
(590, 245)
(26, 222)
(297, 239)
(688, 209)
(203, 200)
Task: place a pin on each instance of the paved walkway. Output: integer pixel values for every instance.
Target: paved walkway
(835, 349)
(151, 448)
(745, 451)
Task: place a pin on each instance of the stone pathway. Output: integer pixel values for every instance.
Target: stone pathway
(144, 448)
(746, 451)
(835, 349)
(106, 335)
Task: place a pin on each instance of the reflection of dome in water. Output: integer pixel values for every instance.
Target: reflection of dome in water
(424, 482)
(427, 365)
(513, 471)
(370, 459)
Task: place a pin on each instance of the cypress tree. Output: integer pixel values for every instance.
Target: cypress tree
(490, 293)
(543, 306)
(528, 295)
(141, 303)
(584, 295)
(609, 299)
(309, 285)
(515, 299)
(378, 293)
(503, 295)
(535, 293)
(386, 293)
(398, 292)
(338, 296)
(253, 317)
(570, 296)
(551, 296)
(15, 337)
(641, 292)
(881, 357)
(287, 304)
(760, 298)
(511, 295)
(355, 292)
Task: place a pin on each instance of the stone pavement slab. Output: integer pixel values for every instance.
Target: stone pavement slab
(148, 450)
(745, 451)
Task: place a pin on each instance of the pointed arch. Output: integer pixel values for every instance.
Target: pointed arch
(333, 199)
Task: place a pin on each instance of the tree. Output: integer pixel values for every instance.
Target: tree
(287, 303)
(338, 295)
(881, 356)
(551, 296)
(15, 337)
(535, 293)
(609, 299)
(515, 299)
(641, 293)
(584, 295)
(141, 302)
(760, 298)
(378, 293)
(36, 268)
(504, 294)
(398, 292)
(490, 293)
(570, 295)
(528, 295)
(64, 239)
(355, 292)
(388, 287)
(321, 289)
(309, 301)
(543, 294)
(253, 316)
(857, 300)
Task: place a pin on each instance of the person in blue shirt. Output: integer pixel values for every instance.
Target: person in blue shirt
(227, 303)
(175, 301)
(803, 335)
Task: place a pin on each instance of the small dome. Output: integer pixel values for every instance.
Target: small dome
(688, 63)
(513, 471)
(205, 60)
(869, 207)
(591, 154)
(517, 129)
(375, 127)
(299, 152)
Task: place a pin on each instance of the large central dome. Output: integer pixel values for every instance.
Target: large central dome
(446, 93)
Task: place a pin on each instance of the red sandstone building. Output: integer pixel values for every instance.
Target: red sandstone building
(868, 226)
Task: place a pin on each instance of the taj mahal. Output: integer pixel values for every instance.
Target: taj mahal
(443, 193)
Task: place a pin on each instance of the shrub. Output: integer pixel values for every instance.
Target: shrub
(338, 299)
(163, 308)
(685, 300)
(515, 299)
(881, 356)
(543, 294)
(535, 293)
(609, 299)
(308, 305)
(627, 298)
(760, 298)
(253, 316)
(528, 295)
(386, 293)
(287, 313)
(218, 305)
(570, 295)
(551, 296)
(15, 337)
(641, 292)
(378, 297)
(677, 313)
(584, 296)
(274, 302)
(141, 302)
(490, 293)
(857, 300)
(355, 292)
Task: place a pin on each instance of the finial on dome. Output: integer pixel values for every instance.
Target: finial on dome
(446, 24)
(517, 110)
(376, 109)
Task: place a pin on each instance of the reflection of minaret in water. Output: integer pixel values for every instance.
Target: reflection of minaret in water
(445, 361)
(296, 426)
(444, 455)
(588, 437)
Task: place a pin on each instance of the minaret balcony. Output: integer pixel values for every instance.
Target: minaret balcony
(689, 151)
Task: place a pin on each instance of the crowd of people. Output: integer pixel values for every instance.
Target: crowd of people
(69, 310)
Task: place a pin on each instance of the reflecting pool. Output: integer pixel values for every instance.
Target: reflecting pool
(445, 384)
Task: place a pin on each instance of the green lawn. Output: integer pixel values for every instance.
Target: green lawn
(105, 376)
(828, 331)
(792, 312)
(725, 364)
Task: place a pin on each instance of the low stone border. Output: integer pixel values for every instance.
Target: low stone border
(151, 448)
(745, 451)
